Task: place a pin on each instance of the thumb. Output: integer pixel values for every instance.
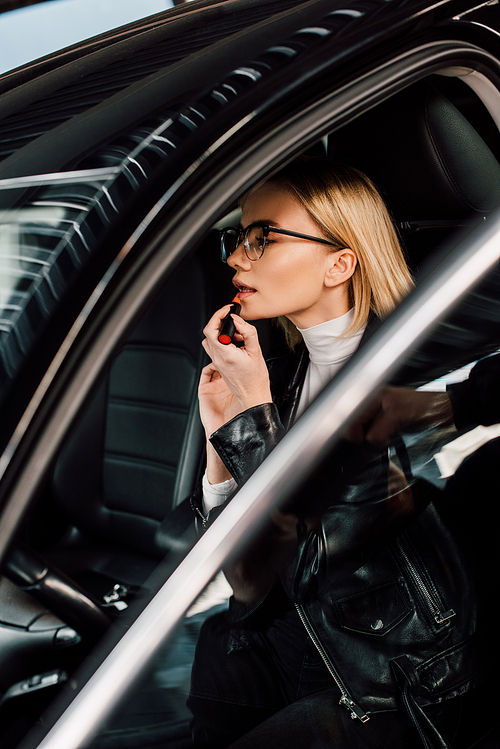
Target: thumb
(248, 333)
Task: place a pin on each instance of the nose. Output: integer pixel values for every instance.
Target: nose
(238, 258)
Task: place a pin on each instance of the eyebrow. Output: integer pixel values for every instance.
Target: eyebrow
(263, 221)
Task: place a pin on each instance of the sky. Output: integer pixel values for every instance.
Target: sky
(37, 30)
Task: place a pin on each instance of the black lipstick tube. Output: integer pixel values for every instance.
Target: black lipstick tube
(227, 329)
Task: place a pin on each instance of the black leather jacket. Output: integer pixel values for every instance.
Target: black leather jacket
(385, 595)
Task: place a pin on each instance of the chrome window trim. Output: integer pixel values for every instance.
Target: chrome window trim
(59, 178)
(481, 85)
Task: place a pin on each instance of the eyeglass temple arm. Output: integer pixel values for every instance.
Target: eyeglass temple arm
(299, 236)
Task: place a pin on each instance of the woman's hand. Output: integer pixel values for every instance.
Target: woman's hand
(217, 406)
(398, 409)
(236, 379)
(217, 403)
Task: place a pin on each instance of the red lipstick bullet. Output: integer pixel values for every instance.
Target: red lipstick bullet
(227, 329)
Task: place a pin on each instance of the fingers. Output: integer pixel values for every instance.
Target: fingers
(242, 368)
(211, 329)
(209, 374)
(247, 333)
(379, 423)
(357, 432)
(397, 409)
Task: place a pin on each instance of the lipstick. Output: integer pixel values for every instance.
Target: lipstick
(227, 328)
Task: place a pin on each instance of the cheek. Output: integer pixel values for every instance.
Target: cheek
(295, 268)
(292, 285)
(302, 275)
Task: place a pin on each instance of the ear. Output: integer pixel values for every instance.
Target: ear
(340, 267)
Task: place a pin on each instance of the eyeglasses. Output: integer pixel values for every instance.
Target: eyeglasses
(255, 238)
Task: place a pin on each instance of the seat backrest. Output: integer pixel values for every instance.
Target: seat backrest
(136, 451)
(433, 168)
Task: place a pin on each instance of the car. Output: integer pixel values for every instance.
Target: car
(121, 157)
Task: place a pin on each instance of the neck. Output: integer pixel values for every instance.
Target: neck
(320, 313)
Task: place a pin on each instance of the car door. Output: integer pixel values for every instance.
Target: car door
(166, 225)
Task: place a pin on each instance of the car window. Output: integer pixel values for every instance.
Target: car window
(42, 248)
(53, 229)
(66, 23)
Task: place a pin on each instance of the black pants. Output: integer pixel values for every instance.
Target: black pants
(243, 673)
(261, 683)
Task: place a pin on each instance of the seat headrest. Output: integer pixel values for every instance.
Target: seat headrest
(424, 156)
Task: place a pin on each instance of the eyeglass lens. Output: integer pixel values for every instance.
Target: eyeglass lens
(229, 241)
(254, 242)
(253, 238)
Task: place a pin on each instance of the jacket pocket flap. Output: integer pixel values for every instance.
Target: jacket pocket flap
(375, 611)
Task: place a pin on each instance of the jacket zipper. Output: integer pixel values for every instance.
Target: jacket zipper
(433, 605)
(345, 699)
(202, 518)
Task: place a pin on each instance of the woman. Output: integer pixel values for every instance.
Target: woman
(317, 251)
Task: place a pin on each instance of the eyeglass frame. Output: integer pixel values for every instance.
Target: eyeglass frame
(266, 228)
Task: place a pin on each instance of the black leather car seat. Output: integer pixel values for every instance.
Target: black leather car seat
(136, 451)
(434, 169)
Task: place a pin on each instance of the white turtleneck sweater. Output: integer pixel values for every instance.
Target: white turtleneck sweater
(328, 352)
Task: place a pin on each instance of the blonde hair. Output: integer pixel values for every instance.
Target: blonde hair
(350, 212)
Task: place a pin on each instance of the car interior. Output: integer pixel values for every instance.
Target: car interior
(136, 451)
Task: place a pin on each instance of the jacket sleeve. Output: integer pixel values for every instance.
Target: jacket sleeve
(244, 442)
(477, 399)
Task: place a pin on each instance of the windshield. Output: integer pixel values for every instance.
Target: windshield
(64, 22)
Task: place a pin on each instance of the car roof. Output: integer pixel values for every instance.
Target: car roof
(169, 57)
